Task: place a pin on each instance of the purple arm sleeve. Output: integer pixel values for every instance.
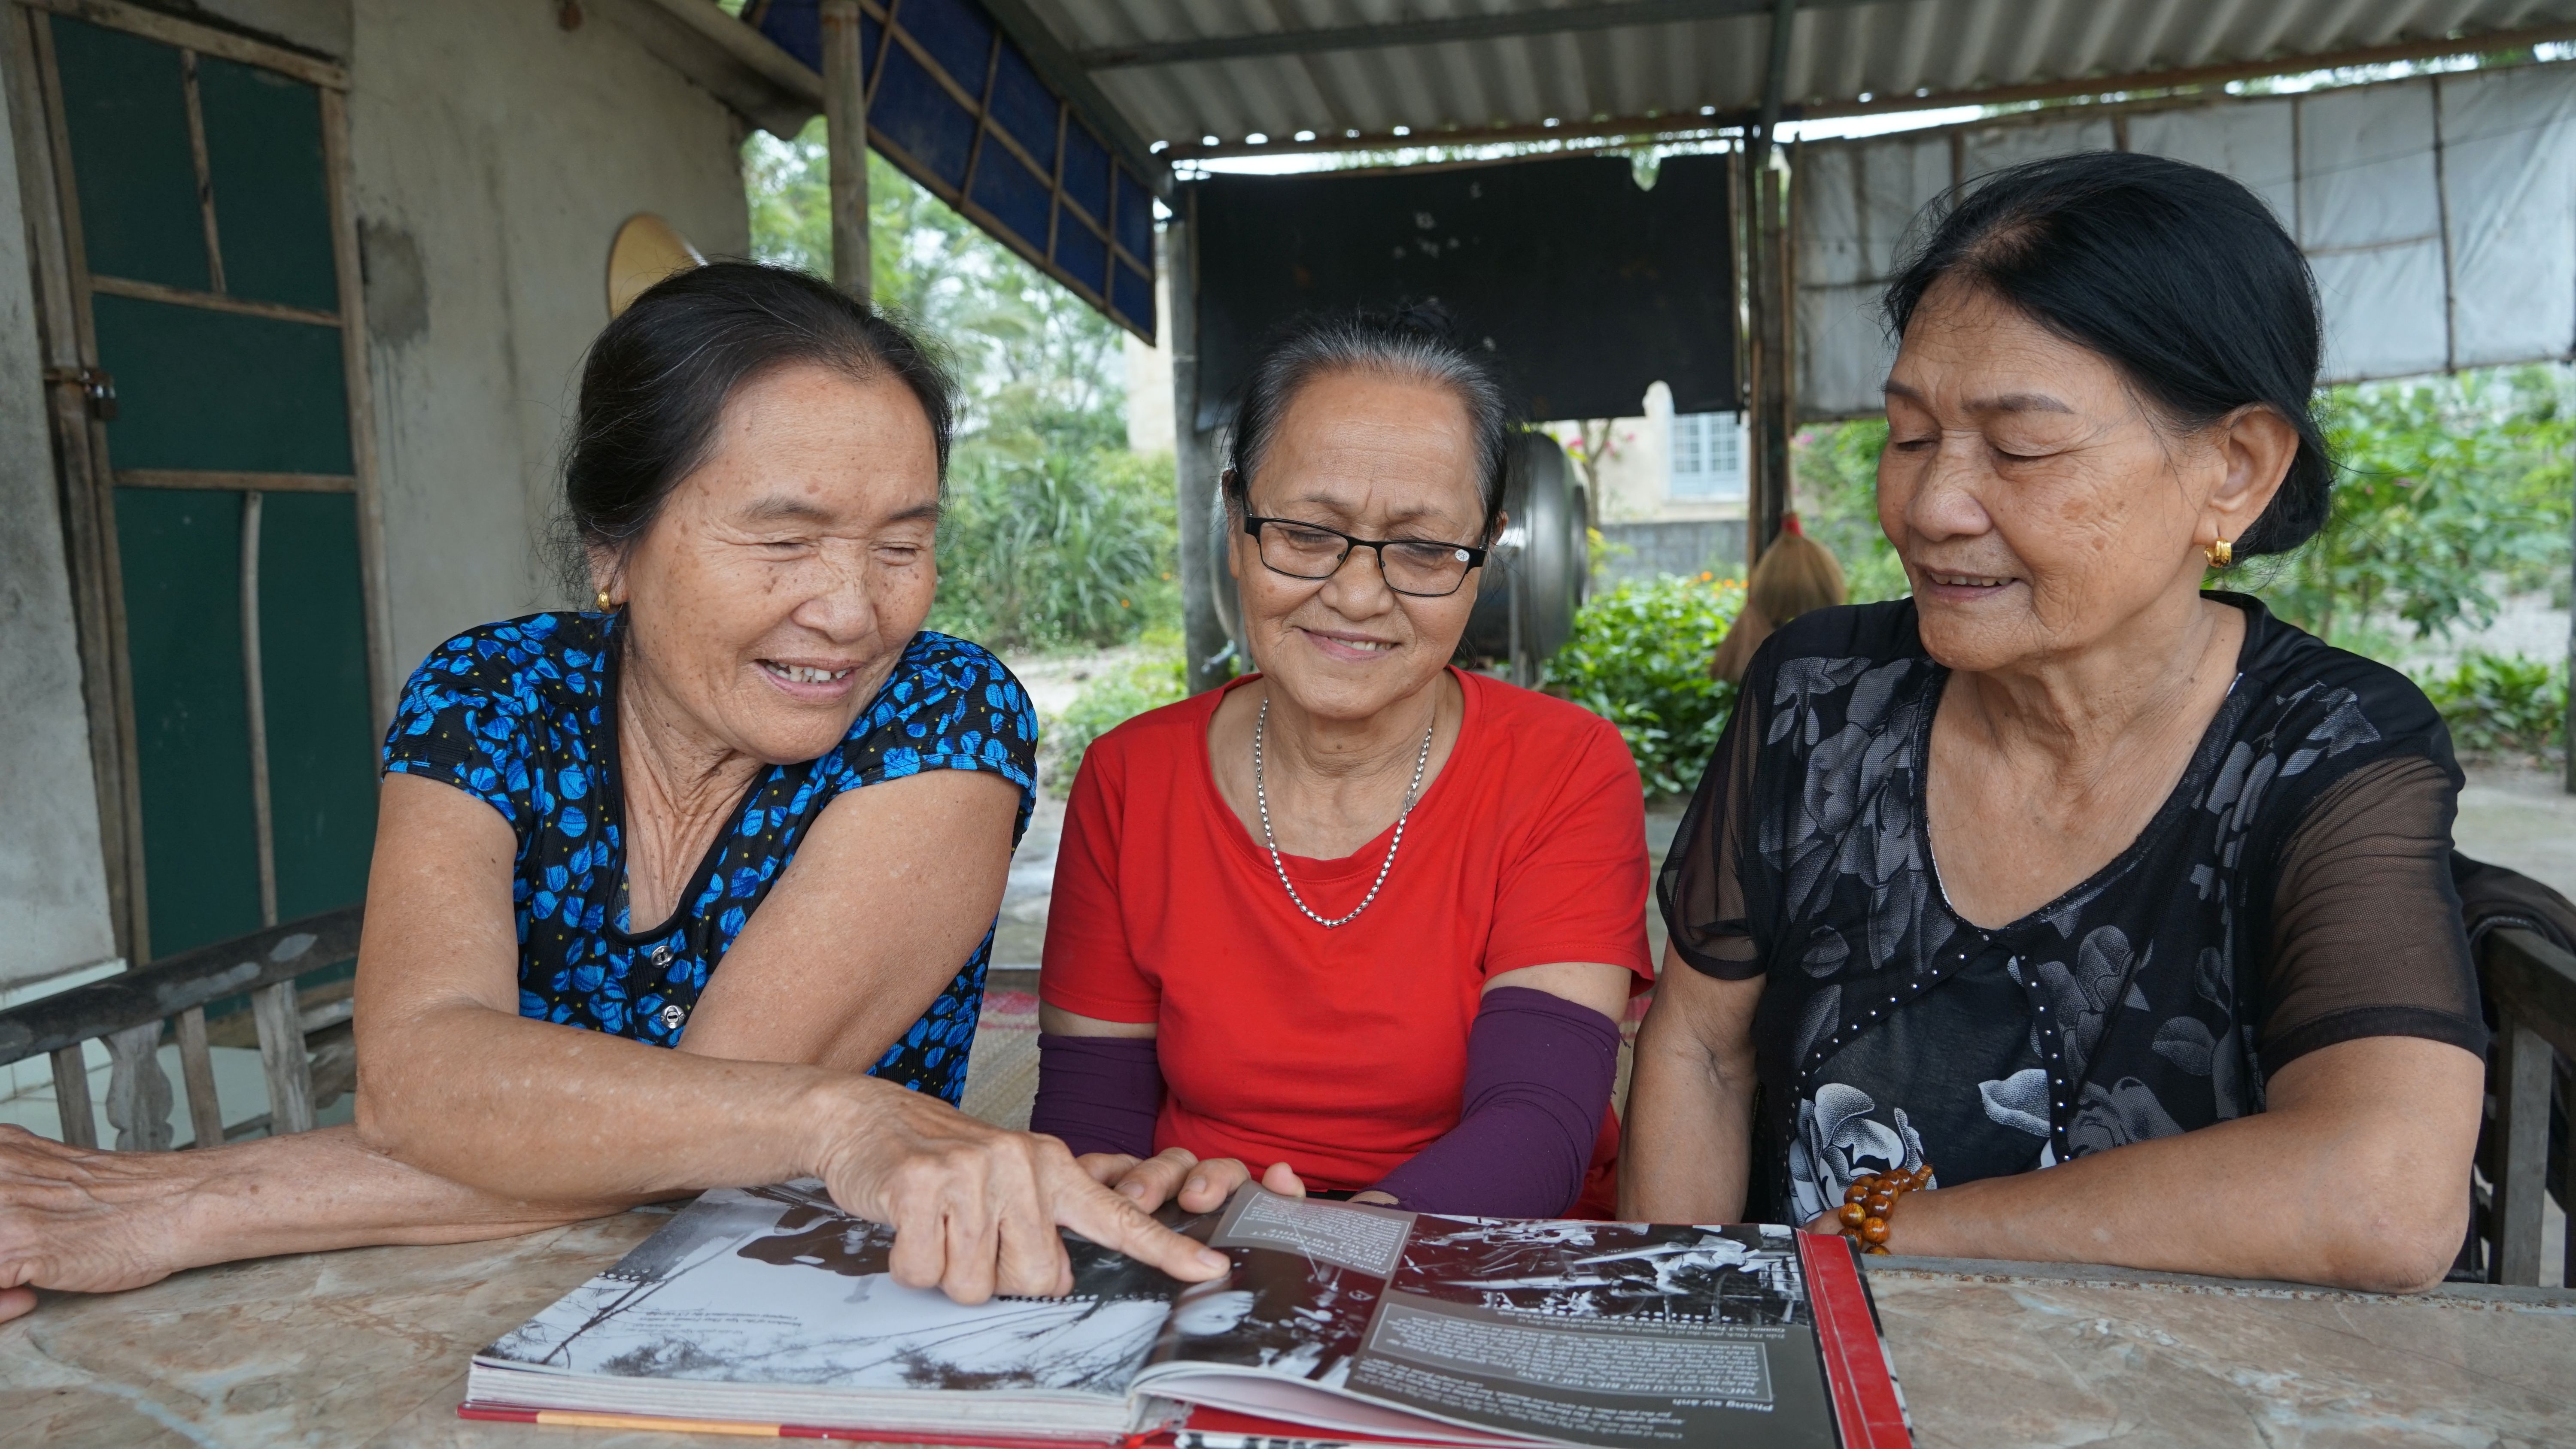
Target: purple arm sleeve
(1539, 1070)
(1098, 1093)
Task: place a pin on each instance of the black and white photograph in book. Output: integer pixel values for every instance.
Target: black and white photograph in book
(714, 1304)
(1745, 1275)
(1288, 1313)
(814, 1232)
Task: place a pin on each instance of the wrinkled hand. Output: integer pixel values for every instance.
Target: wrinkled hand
(81, 1219)
(975, 1209)
(1178, 1173)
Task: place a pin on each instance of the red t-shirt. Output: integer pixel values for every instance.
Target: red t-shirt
(1342, 1052)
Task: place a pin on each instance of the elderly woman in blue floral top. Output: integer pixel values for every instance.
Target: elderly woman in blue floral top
(692, 889)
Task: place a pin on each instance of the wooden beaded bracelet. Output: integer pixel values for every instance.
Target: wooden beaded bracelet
(1871, 1200)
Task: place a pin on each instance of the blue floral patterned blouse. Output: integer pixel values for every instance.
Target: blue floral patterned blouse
(512, 714)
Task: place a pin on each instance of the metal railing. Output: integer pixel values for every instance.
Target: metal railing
(2532, 985)
(127, 1012)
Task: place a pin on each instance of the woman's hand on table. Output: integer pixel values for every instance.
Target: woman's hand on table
(975, 1208)
(82, 1219)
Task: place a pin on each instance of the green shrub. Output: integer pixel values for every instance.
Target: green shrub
(1113, 697)
(1835, 466)
(2450, 493)
(2502, 704)
(1048, 549)
(1638, 657)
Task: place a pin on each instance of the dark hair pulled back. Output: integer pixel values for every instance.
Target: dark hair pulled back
(2179, 276)
(657, 379)
(1416, 343)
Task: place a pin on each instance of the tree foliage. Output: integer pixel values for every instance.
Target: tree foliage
(1835, 472)
(1054, 535)
(2448, 490)
(1049, 547)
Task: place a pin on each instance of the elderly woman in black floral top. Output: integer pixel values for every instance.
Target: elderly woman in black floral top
(2065, 863)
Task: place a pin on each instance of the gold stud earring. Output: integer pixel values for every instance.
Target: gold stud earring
(2220, 555)
(603, 601)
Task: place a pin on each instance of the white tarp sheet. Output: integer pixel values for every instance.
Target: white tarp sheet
(2439, 214)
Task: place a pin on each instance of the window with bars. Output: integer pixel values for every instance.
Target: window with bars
(1707, 460)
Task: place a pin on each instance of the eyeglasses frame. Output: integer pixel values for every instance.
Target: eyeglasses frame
(1351, 543)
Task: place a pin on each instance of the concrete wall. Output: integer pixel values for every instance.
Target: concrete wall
(1636, 471)
(495, 155)
(1149, 376)
(53, 884)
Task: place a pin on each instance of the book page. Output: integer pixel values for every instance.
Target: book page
(776, 1285)
(1600, 1333)
(1610, 1334)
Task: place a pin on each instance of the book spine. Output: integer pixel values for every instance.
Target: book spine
(1868, 1411)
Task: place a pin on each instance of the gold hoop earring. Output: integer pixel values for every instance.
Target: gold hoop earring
(2220, 555)
(603, 601)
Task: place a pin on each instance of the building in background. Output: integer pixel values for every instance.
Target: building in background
(1149, 381)
(1668, 490)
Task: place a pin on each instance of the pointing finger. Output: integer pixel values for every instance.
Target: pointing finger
(1118, 1224)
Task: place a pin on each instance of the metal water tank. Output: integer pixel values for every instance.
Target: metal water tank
(1540, 567)
(1534, 578)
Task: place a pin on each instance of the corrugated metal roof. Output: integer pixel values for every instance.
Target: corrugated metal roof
(1184, 70)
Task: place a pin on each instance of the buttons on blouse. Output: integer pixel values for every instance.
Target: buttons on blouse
(1825, 1048)
(662, 956)
(672, 1016)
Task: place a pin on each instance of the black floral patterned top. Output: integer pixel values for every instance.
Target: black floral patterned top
(517, 714)
(2294, 891)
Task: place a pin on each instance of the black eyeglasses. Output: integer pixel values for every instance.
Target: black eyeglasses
(1412, 566)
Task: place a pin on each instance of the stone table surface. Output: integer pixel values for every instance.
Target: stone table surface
(369, 1347)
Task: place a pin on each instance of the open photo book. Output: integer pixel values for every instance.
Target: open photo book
(771, 1311)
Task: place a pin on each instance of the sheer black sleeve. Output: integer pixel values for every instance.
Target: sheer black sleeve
(1702, 885)
(2366, 937)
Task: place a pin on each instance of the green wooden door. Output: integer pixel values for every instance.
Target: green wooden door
(198, 193)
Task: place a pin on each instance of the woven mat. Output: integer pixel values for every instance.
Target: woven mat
(1002, 1070)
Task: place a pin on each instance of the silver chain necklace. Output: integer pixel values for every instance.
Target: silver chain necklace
(1261, 794)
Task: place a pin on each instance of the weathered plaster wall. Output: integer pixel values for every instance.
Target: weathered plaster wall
(496, 154)
(321, 26)
(53, 884)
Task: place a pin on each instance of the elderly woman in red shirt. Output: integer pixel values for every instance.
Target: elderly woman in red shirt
(1362, 921)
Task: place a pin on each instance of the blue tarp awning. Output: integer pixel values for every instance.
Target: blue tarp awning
(957, 104)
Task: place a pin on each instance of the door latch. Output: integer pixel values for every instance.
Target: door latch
(97, 385)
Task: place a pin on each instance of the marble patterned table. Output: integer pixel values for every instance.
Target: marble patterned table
(369, 1348)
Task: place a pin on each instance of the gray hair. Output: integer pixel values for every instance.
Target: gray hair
(1415, 344)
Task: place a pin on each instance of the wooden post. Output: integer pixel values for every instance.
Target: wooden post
(2523, 1067)
(255, 710)
(281, 1056)
(138, 1092)
(845, 129)
(1768, 298)
(197, 1074)
(71, 1097)
(1203, 634)
(1768, 499)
